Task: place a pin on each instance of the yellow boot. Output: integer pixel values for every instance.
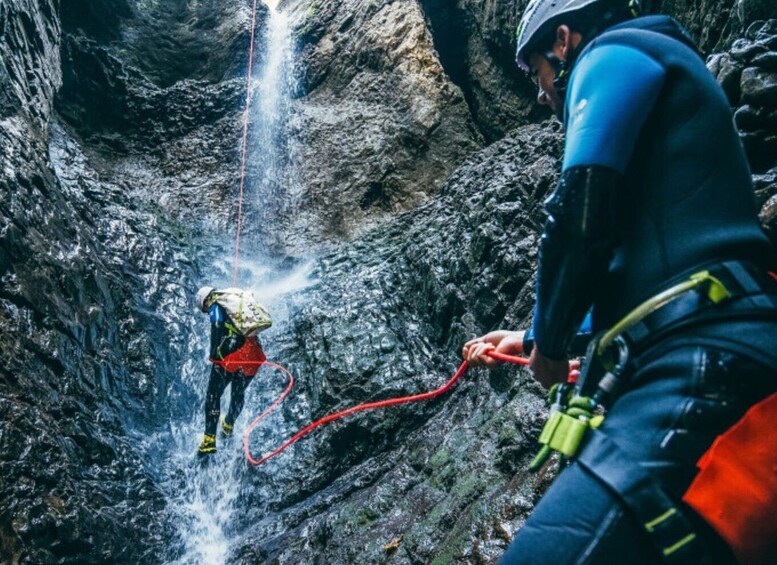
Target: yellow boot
(208, 445)
(226, 429)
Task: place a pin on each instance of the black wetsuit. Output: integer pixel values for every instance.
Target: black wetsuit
(223, 342)
(655, 186)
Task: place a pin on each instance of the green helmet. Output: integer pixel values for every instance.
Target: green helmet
(541, 17)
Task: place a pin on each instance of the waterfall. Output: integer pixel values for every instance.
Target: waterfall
(269, 168)
(204, 497)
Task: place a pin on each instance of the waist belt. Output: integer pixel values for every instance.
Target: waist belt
(745, 289)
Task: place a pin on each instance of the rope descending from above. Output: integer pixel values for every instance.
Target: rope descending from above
(244, 147)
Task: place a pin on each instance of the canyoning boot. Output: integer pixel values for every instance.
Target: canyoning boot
(226, 429)
(207, 446)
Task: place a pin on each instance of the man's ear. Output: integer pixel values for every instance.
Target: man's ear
(564, 39)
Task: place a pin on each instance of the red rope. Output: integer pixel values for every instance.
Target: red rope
(359, 408)
(244, 148)
(266, 413)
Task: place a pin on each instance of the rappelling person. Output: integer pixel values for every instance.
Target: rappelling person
(235, 353)
(653, 225)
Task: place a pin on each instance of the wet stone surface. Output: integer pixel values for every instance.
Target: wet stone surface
(418, 204)
(748, 75)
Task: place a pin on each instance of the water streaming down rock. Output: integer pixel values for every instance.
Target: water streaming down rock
(204, 494)
(117, 201)
(269, 167)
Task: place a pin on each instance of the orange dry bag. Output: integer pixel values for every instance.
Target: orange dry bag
(736, 488)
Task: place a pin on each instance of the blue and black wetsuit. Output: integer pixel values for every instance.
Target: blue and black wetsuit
(655, 186)
(224, 340)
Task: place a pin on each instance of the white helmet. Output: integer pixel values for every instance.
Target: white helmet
(202, 297)
(541, 17)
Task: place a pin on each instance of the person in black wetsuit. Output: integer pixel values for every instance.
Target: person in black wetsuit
(654, 189)
(228, 348)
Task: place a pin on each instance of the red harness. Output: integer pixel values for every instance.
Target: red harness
(247, 359)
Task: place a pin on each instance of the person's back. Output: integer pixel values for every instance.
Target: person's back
(653, 223)
(686, 199)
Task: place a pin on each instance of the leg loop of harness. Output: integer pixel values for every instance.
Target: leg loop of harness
(665, 522)
(577, 413)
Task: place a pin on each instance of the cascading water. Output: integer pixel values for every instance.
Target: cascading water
(269, 167)
(203, 497)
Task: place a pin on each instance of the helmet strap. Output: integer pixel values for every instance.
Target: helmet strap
(562, 70)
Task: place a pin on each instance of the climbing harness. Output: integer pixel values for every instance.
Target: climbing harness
(247, 359)
(354, 409)
(578, 413)
(244, 146)
(582, 408)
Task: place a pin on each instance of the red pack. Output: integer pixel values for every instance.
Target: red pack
(736, 488)
(247, 359)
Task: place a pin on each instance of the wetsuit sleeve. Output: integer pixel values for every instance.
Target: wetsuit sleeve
(579, 343)
(217, 330)
(611, 93)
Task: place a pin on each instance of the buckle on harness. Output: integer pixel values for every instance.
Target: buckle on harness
(572, 416)
(711, 287)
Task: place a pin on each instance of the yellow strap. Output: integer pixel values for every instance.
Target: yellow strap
(716, 292)
(650, 526)
(672, 548)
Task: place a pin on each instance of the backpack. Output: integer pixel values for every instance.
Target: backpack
(248, 316)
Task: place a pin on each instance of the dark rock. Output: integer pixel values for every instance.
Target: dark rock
(120, 127)
(753, 10)
(759, 87)
(476, 43)
(728, 73)
(378, 107)
(748, 118)
(767, 61)
(745, 50)
(714, 24)
(768, 217)
(763, 31)
(760, 149)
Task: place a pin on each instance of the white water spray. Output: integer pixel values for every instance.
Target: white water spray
(204, 499)
(269, 147)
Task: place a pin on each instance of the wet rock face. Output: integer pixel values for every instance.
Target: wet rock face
(84, 269)
(389, 313)
(748, 74)
(119, 145)
(29, 68)
(714, 24)
(476, 43)
(378, 123)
